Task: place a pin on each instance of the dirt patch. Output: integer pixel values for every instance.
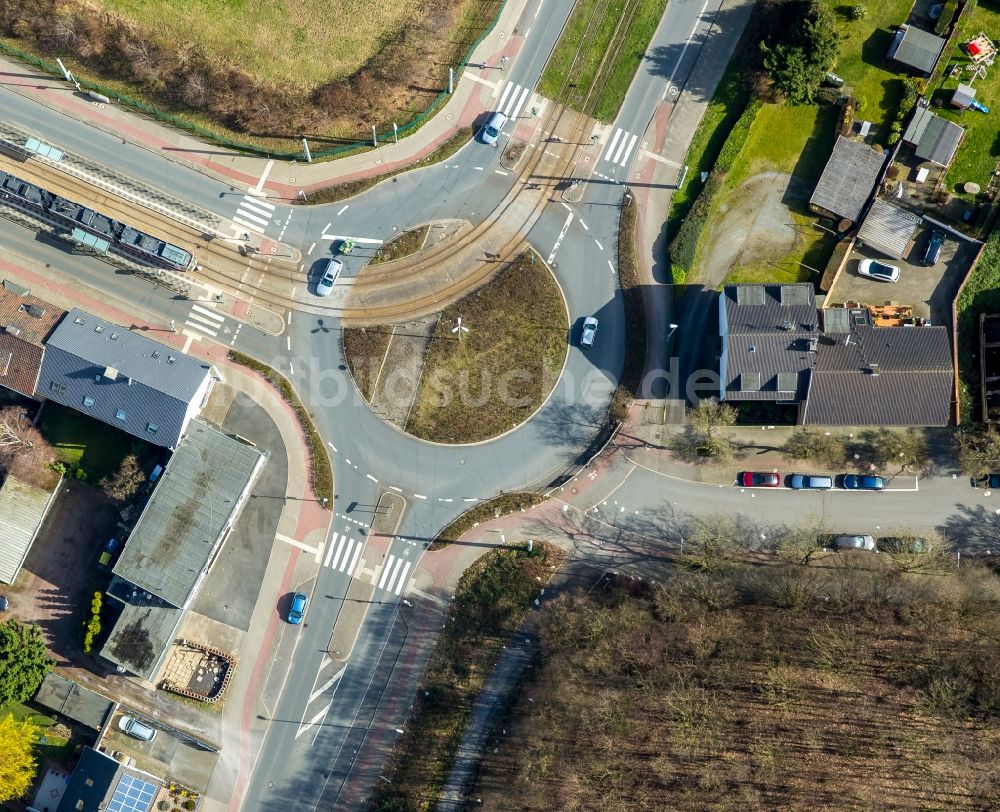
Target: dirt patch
(60, 575)
(752, 226)
(407, 243)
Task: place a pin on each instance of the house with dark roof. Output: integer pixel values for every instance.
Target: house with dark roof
(834, 364)
(122, 378)
(25, 323)
(72, 700)
(933, 138)
(169, 552)
(101, 784)
(848, 179)
(915, 48)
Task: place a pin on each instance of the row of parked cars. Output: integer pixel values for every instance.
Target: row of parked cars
(888, 544)
(811, 482)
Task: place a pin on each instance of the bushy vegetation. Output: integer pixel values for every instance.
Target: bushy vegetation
(684, 247)
(981, 294)
(321, 470)
(760, 687)
(483, 512)
(801, 50)
(635, 312)
(491, 599)
(92, 627)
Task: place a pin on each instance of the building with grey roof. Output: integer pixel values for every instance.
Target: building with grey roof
(916, 48)
(882, 376)
(933, 138)
(888, 229)
(767, 332)
(197, 501)
(102, 784)
(123, 378)
(848, 179)
(72, 700)
(23, 508)
(835, 364)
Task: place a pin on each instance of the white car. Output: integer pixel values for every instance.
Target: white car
(131, 726)
(491, 132)
(878, 271)
(589, 331)
(331, 270)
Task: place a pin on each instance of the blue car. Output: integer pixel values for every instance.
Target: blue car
(298, 608)
(868, 482)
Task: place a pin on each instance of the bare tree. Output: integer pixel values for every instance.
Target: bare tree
(812, 444)
(884, 449)
(23, 451)
(801, 542)
(123, 485)
(979, 451)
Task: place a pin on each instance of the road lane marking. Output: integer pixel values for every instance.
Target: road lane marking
(628, 151)
(562, 234)
(611, 144)
(500, 172)
(327, 685)
(342, 210)
(263, 176)
(520, 103)
(354, 561)
(295, 543)
(419, 496)
(359, 240)
(687, 42)
(332, 547)
(402, 578)
(599, 244)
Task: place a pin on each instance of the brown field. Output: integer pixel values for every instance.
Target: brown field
(263, 72)
(788, 687)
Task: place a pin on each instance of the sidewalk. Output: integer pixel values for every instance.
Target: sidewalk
(283, 179)
(302, 518)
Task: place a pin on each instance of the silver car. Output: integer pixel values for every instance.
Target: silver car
(131, 726)
(854, 543)
(589, 332)
(331, 270)
(491, 132)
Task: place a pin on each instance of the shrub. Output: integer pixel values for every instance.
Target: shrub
(859, 11)
(93, 624)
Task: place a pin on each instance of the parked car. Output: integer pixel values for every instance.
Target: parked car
(131, 726)
(109, 552)
(878, 271)
(759, 479)
(297, 609)
(491, 132)
(331, 270)
(903, 544)
(865, 482)
(818, 482)
(589, 332)
(854, 543)
(933, 251)
(993, 481)
(4, 603)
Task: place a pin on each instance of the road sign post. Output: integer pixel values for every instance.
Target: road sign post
(395, 133)
(305, 149)
(451, 81)
(374, 137)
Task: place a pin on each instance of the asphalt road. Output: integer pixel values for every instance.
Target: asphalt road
(321, 725)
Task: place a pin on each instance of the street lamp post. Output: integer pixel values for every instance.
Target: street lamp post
(670, 332)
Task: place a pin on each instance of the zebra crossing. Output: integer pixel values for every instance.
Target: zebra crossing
(620, 147)
(512, 99)
(343, 553)
(394, 575)
(254, 213)
(205, 320)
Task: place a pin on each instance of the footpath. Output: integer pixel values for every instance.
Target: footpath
(238, 729)
(286, 179)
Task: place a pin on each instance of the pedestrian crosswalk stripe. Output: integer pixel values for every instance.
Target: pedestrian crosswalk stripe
(205, 320)
(354, 561)
(631, 145)
(516, 109)
(612, 144)
(503, 97)
(343, 553)
(331, 548)
(340, 550)
(248, 224)
(255, 203)
(402, 578)
(212, 314)
(254, 213)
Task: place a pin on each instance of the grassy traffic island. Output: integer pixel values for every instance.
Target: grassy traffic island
(475, 383)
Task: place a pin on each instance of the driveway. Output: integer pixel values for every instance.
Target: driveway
(930, 290)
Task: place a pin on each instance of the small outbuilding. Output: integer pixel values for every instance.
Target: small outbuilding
(963, 96)
(888, 229)
(916, 49)
(848, 179)
(933, 138)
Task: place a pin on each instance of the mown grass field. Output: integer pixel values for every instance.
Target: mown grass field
(802, 151)
(614, 35)
(876, 82)
(505, 365)
(306, 43)
(979, 151)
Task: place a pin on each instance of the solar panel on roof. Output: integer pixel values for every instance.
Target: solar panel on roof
(132, 795)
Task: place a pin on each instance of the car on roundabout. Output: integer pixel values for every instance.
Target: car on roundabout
(759, 479)
(589, 332)
(863, 482)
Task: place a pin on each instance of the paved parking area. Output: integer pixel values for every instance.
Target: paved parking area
(929, 290)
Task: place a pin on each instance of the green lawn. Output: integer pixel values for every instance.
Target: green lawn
(877, 82)
(615, 36)
(808, 136)
(80, 441)
(979, 153)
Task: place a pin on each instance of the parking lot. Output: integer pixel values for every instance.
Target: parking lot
(928, 289)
